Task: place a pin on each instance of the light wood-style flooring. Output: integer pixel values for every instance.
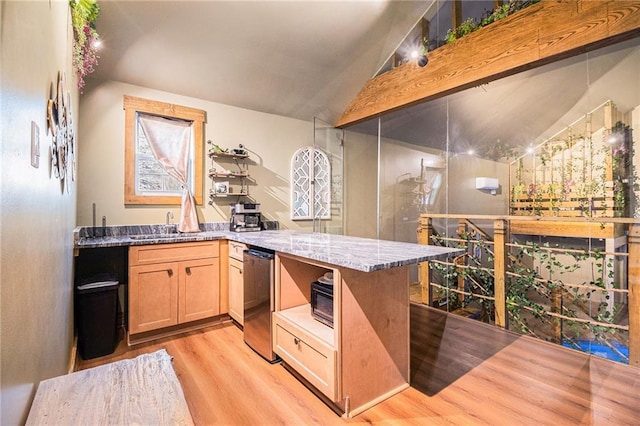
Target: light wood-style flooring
(462, 373)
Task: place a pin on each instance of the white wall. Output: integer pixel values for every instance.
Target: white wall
(271, 140)
(37, 218)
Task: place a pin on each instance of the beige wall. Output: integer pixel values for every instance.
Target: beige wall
(360, 184)
(37, 218)
(399, 169)
(271, 140)
(464, 198)
(401, 162)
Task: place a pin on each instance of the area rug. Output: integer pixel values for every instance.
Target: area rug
(140, 391)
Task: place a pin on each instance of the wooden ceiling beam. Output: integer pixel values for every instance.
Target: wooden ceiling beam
(540, 34)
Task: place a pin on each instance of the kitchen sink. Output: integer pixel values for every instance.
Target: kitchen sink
(164, 236)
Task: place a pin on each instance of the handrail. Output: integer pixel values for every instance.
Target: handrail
(500, 275)
(580, 219)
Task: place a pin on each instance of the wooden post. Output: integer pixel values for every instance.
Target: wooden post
(462, 260)
(456, 14)
(425, 230)
(501, 237)
(556, 307)
(634, 295)
(397, 60)
(424, 32)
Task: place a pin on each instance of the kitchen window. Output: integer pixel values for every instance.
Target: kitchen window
(163, 152)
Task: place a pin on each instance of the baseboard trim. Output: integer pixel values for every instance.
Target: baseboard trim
(73, 356)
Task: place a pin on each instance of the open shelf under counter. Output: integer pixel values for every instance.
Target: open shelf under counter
(371, 331)
(301, 317)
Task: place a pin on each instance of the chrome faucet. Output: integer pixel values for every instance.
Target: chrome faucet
(169, 227)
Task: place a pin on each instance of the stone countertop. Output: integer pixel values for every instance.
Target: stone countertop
(362, 254)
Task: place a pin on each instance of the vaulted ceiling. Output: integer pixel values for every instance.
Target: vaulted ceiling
(299, 59)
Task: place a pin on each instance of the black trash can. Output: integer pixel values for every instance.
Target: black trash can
(96, 309)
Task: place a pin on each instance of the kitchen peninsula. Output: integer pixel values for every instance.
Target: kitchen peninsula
(361, 360)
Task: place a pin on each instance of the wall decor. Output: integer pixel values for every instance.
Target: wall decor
(62, 152)
(222, 188)
(310, 184)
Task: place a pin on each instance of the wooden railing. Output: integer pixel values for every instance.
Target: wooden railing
(505, 238)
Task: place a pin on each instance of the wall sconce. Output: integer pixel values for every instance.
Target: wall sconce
(487, 184)
(420, 58)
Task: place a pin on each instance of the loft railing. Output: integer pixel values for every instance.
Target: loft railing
(572, 281)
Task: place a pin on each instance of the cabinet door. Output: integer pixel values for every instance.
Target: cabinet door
(236, 284)
(199, 289)
(153, 297)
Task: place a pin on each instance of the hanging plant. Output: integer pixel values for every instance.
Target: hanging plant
(470, 24)
(84, 14)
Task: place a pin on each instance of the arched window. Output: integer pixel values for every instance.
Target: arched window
(310, 184)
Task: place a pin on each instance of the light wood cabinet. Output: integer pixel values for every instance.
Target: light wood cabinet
(299, 346)
(364, 358)
(236, 281)
(198, 291)
(171, 284)
(153, 297)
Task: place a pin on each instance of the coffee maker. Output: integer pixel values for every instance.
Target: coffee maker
(245, 217)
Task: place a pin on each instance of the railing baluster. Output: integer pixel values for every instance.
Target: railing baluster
(425, 230)
(501, 236)
(634, 295)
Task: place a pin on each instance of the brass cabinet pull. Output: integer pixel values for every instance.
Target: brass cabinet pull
(188, 271)
(170, 272)
(296, 340)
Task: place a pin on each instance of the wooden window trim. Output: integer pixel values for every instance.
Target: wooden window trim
(133, 105)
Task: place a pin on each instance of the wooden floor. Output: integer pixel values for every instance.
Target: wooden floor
(462, 373)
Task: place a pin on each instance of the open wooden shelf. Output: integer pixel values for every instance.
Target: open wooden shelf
(301, 316)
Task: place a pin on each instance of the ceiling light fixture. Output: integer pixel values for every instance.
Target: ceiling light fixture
(613, 138)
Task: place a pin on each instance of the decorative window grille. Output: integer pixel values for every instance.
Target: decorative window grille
(310, 185)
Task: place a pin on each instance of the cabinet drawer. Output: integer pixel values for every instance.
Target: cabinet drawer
(236, 249)
(160, 253)
(236, 264)
(311, 359)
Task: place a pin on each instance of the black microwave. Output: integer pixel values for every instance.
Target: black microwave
(322, 302)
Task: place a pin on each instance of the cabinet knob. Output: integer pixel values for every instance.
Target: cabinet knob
(170, 272)
(296, 341)
(188, 271)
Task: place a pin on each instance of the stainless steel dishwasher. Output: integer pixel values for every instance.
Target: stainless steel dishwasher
(259, 282)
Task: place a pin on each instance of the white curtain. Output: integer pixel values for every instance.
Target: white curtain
(169, 140)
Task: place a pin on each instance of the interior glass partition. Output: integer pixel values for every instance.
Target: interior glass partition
(539, 168)
(330, 141)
